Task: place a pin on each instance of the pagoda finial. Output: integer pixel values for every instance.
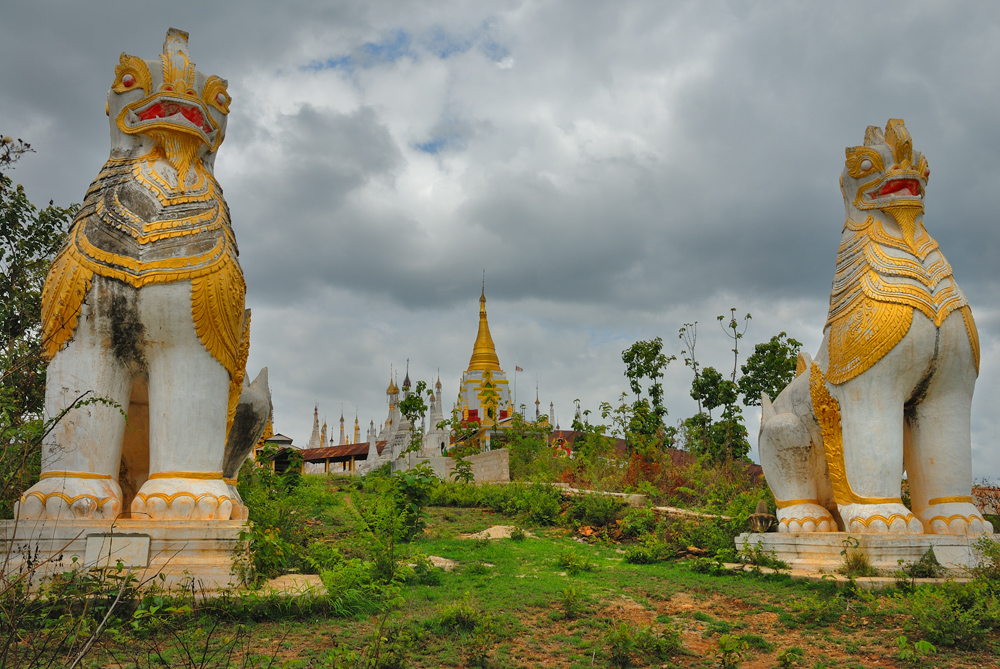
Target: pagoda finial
(484, 354)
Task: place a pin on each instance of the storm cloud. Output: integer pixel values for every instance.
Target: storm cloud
(617, 169)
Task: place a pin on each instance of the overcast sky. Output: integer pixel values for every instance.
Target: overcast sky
(617, 168)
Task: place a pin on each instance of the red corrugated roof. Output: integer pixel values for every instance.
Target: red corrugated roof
(343, 452)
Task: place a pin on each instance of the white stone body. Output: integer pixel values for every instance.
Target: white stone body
(143, 308)
(890, 389)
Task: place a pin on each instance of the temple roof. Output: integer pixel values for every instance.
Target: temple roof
(484, 354)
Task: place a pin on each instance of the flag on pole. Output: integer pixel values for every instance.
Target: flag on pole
(518, 369)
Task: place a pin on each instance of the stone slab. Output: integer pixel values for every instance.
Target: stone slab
(107, 550)
(819, 552)
(195, 553)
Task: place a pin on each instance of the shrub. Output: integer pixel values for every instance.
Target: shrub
(637, 522)
(926, 567)
(571, 602)
(595, 510)
(988, 568)
(953, 614)
(574, 563)
(461, 615)
(621, 644)
(639, 555)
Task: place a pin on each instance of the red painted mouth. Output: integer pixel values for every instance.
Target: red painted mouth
(168, 108)
(912, 186)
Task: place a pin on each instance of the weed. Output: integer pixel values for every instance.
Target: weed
(625, 642)
(926, 567)
(758, 557)
(712, 566)
(637, 522)
(914, 654)
(572, 602)
(791, 657)
(479, 649)
(517, 533)
(621, 644)
(757, 642)
(461, 615)
(574, 563)
(856, 562)
(731, 651)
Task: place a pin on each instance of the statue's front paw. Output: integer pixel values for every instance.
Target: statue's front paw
(891, 518)
(240, 510)
(805, 518)
(955, 518)
(183, 499)
(71, 497)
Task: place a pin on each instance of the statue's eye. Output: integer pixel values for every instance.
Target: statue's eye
(866, 164)
(221, 98)
(128, 81)
(927, 173)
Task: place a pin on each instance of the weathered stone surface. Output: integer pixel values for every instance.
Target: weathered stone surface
(183, 551)
(821, 551)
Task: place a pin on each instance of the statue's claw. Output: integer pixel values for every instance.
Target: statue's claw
(891, 518)
(69, 497)
(955, 518)
(805, 518)
(183, 499)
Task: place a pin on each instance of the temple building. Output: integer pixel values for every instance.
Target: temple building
(484, 399)
(484, 395)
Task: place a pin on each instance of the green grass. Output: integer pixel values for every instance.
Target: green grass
(505, 605)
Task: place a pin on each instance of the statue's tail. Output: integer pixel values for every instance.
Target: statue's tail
(249, 422)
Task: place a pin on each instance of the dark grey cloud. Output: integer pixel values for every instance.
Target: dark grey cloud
(618, 170)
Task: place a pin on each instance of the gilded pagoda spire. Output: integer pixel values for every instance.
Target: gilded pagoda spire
(484, 354)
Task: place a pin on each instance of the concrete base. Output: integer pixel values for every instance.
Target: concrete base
(197, 553)
(820, 551)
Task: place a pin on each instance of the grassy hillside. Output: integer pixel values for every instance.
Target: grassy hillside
(543, 597)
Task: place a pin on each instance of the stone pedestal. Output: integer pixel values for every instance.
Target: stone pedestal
(820, 551)
(185, 552)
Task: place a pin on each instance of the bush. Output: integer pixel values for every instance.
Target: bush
(637, 522)
(595, 510)
(574, 563)
(954, 614)
(926, 567)
(461, 616)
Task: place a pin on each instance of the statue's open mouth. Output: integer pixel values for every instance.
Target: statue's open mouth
(905, 187)
(170, 109)
(173, 112)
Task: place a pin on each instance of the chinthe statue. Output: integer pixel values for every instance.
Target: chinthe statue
(143, 316)
(891, 386)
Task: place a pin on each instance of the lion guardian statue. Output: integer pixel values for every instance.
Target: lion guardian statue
(143, 308)
(891, 386)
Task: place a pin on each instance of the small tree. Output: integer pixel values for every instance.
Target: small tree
(646, 360)
(769, 368)
(29, 238)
